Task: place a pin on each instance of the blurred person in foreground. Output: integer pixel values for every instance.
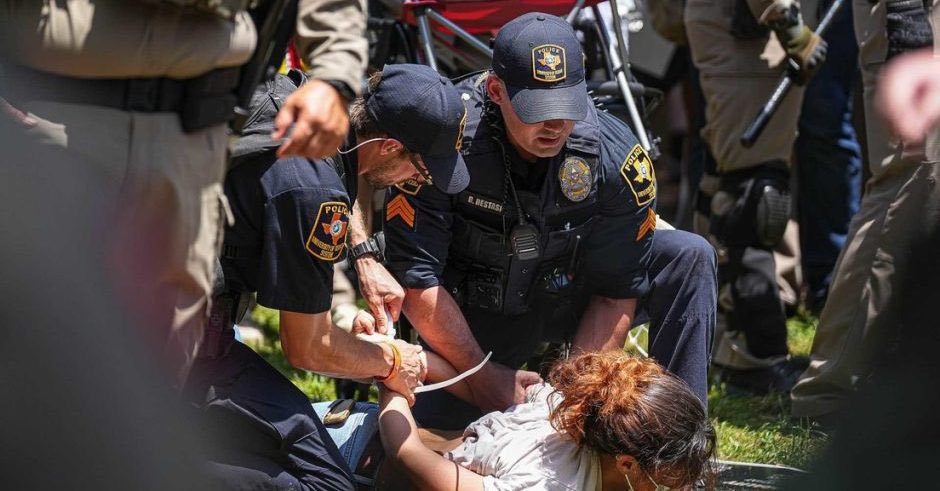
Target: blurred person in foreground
(139, 93)
(861, 311)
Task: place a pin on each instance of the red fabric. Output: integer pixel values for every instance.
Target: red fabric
(293, 59)
(482, 17)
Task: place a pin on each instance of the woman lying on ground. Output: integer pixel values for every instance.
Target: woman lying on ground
(607, 421)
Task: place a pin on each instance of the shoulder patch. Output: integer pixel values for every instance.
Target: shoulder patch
(637, 170)
(400, 207)
(327, 238)
(410, 187)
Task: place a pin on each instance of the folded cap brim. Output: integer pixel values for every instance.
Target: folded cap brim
(449, 172)
(254, 143)
(537, 105)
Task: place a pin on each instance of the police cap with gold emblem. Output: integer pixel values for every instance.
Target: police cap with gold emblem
(540, 60)
(420, 108)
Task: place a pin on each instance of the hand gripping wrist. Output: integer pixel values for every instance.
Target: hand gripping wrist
(396, 364)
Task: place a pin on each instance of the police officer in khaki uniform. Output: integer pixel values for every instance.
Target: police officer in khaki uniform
(897, 205)
(140, 92)
(747, 198)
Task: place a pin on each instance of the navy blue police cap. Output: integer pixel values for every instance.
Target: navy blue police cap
(266, 101)
(539, 58)
(422, 109)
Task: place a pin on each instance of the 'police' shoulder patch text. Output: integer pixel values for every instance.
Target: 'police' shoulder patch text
(327, 238)
(637, 170)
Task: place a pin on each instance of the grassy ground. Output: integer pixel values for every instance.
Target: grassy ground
(759, 429)
(750, 429)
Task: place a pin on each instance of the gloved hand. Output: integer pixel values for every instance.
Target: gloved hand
(805, 52)
(907, 26)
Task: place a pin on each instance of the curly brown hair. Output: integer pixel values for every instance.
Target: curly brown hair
(617, 404)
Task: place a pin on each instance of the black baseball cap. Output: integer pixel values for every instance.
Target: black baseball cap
(539, 58)
(422, 109)
(266, 101)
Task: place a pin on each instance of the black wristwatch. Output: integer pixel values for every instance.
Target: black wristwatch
(343, 88)
(368, 246)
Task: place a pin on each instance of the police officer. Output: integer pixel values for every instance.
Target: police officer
(553, 239)
(897, 207)
(291, 219)
(746, 196)
(140, 91)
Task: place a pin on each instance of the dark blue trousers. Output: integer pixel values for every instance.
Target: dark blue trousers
(263, 431)
(680, 308)
(828, 158)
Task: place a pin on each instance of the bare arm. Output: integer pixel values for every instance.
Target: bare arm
(605, 324)
(311, 342)
(427, 469)
(377, 285)
(331, 38)
(438, 319)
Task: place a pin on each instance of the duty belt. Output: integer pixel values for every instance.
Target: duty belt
(201, 102)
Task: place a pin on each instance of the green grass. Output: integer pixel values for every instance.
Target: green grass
(317, 387)
(750, 429)
(759, 429)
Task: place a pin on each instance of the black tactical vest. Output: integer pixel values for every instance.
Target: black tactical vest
(482, 270)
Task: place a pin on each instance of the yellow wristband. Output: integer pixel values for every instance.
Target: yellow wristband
(396, 364)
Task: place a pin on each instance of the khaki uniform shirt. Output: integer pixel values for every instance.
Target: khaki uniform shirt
(126, 38)
(121, 38)
(331, 36)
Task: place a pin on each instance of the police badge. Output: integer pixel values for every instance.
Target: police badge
(549, 63)
(575, 179)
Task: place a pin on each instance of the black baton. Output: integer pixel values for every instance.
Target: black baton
(783, 87)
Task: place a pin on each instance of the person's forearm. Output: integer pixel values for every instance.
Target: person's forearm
(427, 469)
(312, 343)
(360, 222)
(439, 370)
(438, 319)
(605, 324)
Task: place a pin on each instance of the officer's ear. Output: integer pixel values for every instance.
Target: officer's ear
(495, 89)
(390, 146)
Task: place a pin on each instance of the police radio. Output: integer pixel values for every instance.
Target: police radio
(524, 238)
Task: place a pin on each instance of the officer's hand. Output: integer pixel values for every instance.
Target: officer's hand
(909, 94)
(320, 118)
(497, 386)
(806, 53)
(414, 367)
(380, 290)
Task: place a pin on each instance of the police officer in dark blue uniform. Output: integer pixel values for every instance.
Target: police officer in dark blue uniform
(553, 239)
(291, 219)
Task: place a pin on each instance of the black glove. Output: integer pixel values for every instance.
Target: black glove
(907, 26)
